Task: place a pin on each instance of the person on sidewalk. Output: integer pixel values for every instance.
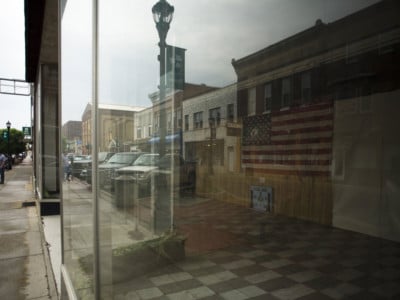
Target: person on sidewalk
(3, 160)
(67, 167)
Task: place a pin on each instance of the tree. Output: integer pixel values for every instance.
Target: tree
(17, 144)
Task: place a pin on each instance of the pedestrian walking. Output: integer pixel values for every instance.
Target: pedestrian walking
(67, 167)
(3, 160)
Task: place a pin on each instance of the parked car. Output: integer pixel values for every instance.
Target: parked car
(104, 156)
(139, 171)
(79, 163)
(150, 167)
(118, 160)
(173, 170)
(8, 163)
(87, 172)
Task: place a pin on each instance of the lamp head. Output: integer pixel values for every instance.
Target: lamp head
(162, 12)
(162, 15)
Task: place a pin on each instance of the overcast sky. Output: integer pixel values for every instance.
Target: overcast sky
(212, 32)
(15, 109)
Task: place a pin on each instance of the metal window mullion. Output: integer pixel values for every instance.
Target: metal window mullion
(94, 138)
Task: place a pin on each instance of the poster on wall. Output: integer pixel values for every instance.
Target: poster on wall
(261, 198)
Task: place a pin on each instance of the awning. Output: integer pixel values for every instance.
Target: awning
(171, 138)
(168, 139)
(154, 140)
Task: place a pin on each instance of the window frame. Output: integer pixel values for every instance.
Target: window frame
(251, 101)
(306, 87)
(267, 101)
(198, 120)
(186, 122)
(286, 101)
(215, 114)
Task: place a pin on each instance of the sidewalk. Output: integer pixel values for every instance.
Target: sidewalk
(25, 266)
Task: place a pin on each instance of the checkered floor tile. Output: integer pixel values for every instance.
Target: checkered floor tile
(263, 256)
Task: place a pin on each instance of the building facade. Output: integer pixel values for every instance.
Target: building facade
(302, 102)
(72, 136)
(117, 122)
(211, 132)
(148, 124)
(72, 130)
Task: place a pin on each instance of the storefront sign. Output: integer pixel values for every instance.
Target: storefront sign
(261, 198)
(175, 67)
(26, 131)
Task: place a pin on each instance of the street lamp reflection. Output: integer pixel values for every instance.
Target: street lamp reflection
(8, 124)
(162, 15)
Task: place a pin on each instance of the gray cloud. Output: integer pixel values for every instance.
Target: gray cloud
(213, 32)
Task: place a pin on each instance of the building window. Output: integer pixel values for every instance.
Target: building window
(156, 123)
(149, 130)
(286, 92)
(198, 120)
(230, 113)
(178, 117)
(169, 121)
(251, 102)
(305, 88)
(186, 122)
(267, 97)
(139, 133)
(215, 115)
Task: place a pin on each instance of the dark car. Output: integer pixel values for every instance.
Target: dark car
(79, 163)
(174, 171)
(87, 172)
(104, 156)
(118, 160)
(8, 163)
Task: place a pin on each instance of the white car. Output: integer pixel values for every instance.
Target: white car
(140, 171)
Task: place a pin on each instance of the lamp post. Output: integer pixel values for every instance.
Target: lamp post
(8, 124)
(162, 15)
(213, 133)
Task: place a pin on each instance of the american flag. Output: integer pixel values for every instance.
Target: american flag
(296, 141)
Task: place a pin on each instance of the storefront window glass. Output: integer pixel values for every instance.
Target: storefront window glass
(273, 185)
(77, 196)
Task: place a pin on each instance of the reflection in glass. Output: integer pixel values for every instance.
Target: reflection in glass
(238, 186)
(77, 198)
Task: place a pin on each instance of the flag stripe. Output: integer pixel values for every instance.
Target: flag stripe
(304, 129)
(307, 151)
(293, 162)
(304, 141)
(299, 120)
(315, 147)
(289, 172)
(311, 109)
(318, 168)
(274, 158)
